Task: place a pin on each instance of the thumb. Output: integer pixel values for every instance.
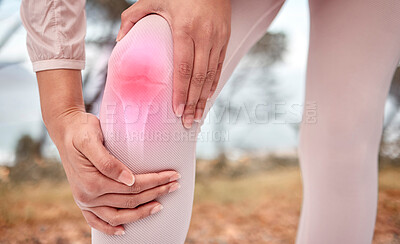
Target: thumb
(111, 167)
(104, 162)
(130, 16)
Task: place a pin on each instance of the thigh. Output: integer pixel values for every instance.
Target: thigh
(353, 52)
(250, 21)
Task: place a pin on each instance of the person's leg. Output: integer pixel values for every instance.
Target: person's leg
(354, 49)
(138, 102)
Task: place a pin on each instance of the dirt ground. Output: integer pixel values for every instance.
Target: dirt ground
(260, 208)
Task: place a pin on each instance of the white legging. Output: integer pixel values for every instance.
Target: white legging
(354, 49)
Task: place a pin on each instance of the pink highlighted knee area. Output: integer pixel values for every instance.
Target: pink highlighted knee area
(139, 84)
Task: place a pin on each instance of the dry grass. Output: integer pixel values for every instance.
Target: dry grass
(257, 208)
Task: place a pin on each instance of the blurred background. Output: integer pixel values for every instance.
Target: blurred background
(248, 187)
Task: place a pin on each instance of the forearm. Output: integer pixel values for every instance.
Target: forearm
(60, 97)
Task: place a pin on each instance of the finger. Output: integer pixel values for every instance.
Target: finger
(116, 217)
(142, 182)
(219, 70)
(205, 92)
(100, 225)
(132, 201)
(183, 66)
(130, 16)
(91, 146)
(196, 84)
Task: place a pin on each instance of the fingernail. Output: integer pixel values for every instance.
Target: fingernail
(118, 37)
(127, 178)
(156, 209)
(175, 177)
(187, 121)
(179, 110)
(198, 115)
(119, 233)
(174, 187)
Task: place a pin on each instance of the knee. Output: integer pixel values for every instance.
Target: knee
(140, 65)
(145, 51)
(340, 155)
(341, 140)
(139, 78)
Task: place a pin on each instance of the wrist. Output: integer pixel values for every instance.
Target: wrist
(61, 100)
(58, 125)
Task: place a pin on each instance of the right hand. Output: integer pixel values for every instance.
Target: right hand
(106, 191)
(201, 31)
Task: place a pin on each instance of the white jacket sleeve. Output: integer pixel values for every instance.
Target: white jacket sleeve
(55, 33)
